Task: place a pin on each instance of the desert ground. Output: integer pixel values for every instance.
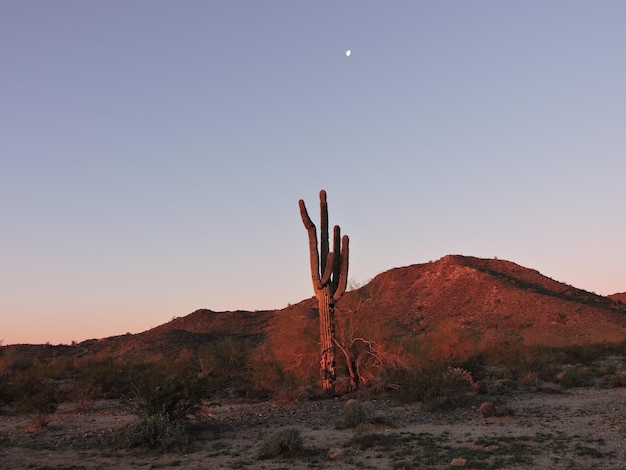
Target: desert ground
(580, 428)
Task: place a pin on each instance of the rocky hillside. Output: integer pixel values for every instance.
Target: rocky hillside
(460, 292)
(482, 294)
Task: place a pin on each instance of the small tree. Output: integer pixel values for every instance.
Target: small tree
(329, 274)
(370, 350)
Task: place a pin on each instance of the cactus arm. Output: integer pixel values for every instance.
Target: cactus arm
(343, 277)
(310, 227)
(324, 248)
(329, 268)
(337, 259)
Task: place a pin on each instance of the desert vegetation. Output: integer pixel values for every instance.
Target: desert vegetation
(461, 362)
(169, 404)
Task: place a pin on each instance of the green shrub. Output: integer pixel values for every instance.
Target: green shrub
(32, 393)
(226, 363)
(103, 379)
(618, 379)
(271, 379)
(6, 395)
(536, 359)
(587, 353)
(284, 442)
(156, 393)
(439, 387)
(582, 377)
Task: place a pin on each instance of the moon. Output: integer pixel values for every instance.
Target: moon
(348, 52)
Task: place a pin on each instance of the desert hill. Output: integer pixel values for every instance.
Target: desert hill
(457, 302)
(482, 294)
(456, 292)
(459, 291)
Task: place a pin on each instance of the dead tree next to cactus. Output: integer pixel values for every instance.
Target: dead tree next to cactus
(329, 273)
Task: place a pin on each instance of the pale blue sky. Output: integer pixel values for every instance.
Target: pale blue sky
(152, 153)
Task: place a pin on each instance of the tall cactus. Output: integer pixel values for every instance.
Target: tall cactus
(329, 273)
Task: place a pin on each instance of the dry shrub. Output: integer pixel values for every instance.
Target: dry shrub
(284, 442)
(290, 354)
(437, 386)
(270, 377)
(530, 379)
(158, 431)
(618, 379)
(451, 342)
(357, 413)
(498, 347)
(489, 410)
(40, 422)
(368, 350)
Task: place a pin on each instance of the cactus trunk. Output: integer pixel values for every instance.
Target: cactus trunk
(327, 345)
(329, 274)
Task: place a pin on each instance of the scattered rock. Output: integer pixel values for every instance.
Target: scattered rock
(458, 462)
(335, 454)
(488, 410)
(349, 404)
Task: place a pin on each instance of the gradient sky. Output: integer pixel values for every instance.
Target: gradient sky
(152, 153)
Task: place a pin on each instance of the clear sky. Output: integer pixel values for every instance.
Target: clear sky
(152, 153)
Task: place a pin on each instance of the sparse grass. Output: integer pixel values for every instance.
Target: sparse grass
(61, 467)
(423, 450)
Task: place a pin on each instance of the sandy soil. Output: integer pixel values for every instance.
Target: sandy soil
(582, 428)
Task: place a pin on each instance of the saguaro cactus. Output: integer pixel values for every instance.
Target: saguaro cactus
(329, 273)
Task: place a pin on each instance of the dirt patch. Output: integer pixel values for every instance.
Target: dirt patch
(583, 428)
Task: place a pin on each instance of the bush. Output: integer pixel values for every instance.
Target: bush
(284, 442)
(577, 378)
(156, 393)
(271, 379)
(587, 353)
(357, 413)
(618, 379)
(31, 393)
(6, 395)
(226, 362)
(103, 379)
(158, 431)
(539, 359)
(439, 387)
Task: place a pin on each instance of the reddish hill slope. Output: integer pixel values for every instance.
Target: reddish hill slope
(620, 297)
(482, 294)
(462, 292)
(190, 332)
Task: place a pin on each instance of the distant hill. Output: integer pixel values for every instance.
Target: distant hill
(463, 292)
(620, 297)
